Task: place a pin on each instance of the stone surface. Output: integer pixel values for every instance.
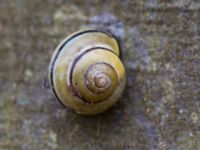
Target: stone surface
(160, 108)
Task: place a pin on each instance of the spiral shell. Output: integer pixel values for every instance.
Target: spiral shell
(86, 73)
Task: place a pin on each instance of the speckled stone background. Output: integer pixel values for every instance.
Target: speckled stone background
(160, 108)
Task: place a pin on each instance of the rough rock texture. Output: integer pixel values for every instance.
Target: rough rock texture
(160, 108)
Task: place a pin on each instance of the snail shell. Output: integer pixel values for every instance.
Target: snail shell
(86, 73)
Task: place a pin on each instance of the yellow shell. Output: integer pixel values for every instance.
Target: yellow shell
(86, 73)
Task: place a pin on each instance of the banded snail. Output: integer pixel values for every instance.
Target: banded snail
(86, 73)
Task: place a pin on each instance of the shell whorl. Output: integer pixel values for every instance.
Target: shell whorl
(93, 81)
(86, 73)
